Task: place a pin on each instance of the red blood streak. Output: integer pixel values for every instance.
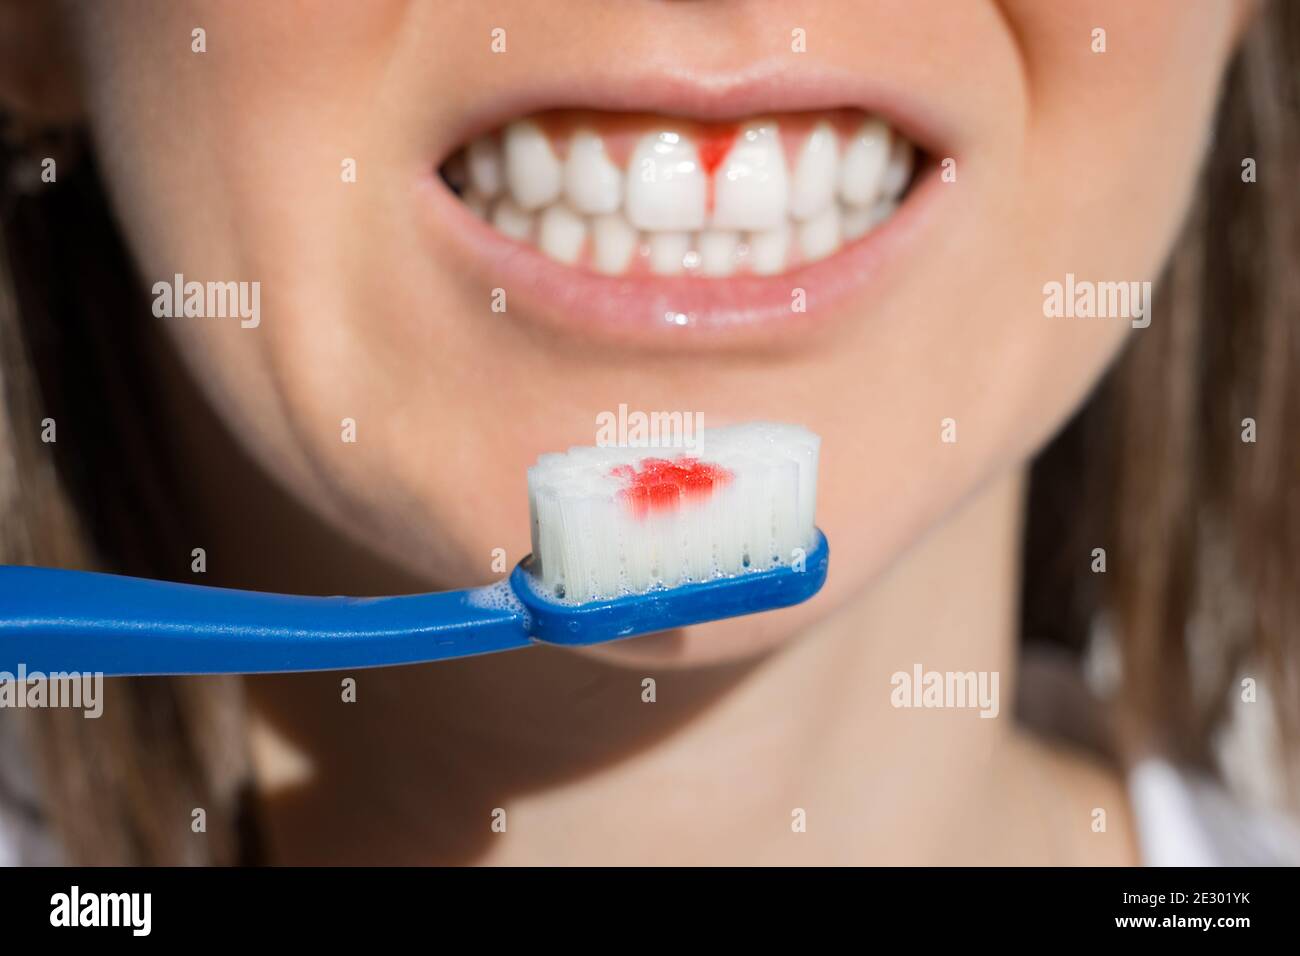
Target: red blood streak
(659, 485)
(713, 148)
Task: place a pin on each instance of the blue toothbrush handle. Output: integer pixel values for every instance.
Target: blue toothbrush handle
(61, 621)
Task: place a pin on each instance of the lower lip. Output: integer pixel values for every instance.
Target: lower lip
(676, 311)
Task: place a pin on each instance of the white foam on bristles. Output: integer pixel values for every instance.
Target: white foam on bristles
(591, 541)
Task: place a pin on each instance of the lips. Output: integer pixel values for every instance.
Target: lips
(546, 203)
(623, 194)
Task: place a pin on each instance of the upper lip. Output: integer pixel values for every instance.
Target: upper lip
(727, 312)
(764, 88)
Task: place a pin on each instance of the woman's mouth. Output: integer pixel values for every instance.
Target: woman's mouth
(628, 195)
(709, 210)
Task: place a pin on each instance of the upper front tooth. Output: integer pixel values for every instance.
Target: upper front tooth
(532, 169)
(751, 189)
(665, 186)
(815, 173)
(899, 169)
(863, 167)
(592, 183)
(484, 161)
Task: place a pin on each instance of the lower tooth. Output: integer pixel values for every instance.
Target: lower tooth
(561, 233)
(820, 236)
(668, 252)
(857, 221)
(769, 250)
(613, 243)
(510, 220)
(718, 252)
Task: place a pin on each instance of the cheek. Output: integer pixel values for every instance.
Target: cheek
(234, 172)
(1115, 138)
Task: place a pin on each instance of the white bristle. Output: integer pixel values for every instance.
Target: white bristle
(590, 542)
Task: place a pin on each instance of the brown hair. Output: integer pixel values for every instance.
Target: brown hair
(122, 788)
(1201, 529)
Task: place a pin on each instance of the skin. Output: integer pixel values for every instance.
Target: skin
(226, 165)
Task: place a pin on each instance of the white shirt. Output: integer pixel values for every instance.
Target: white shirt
(1183, 819)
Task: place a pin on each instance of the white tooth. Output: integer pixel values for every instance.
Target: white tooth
(717, 251)
(816, 172)
(484, 161)
(614, 241)
(857, 221)
(820, 236)
(592, 183)
(561, 233)
(769, 250)
(476, 202)
(863, 166)
(668, 251)
(665, 185)
(899, 169)
(509, 219)
(532, 170)
(751, 188)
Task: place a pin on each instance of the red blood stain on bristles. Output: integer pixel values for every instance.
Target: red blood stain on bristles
(658, 485)
(714, 145)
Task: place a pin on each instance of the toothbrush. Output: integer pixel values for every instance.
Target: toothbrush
(624, 543)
